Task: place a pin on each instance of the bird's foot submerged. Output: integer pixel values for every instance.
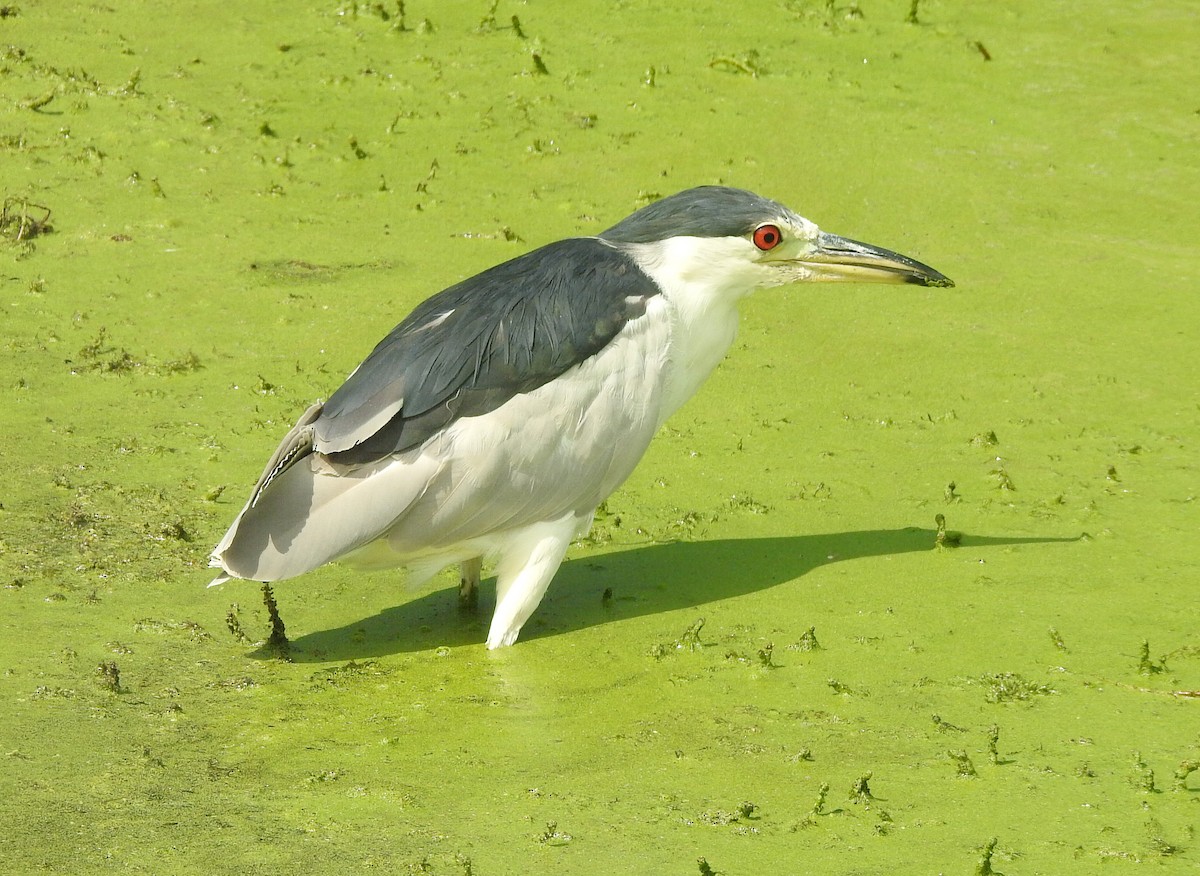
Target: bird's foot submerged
(524, 571)
(508, 637)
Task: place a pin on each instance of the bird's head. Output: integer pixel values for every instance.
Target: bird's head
(733, 241)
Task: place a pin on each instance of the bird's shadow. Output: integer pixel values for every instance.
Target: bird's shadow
(648, 579)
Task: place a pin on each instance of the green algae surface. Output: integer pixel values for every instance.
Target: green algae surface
(910, 587)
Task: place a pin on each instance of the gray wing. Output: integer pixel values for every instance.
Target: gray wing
(471, 348)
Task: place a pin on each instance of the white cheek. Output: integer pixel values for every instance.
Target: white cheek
(722, 266)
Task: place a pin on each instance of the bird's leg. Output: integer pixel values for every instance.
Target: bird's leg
(523, 574)
(468, 583)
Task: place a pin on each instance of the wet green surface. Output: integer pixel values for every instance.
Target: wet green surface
(243, 199)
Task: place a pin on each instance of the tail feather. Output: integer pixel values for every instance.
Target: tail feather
(304, 513)
(297, 444)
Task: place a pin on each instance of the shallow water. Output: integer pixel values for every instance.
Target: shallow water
(244, 199)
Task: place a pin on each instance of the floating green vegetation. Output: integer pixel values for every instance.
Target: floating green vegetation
(964, 768)
(945, 726)
(277, 640)
(349, 673)
(197, 242)
(233, 621)
(944, 538)
(1141, 775)
(21, 220)
(993, 744)
(1185, 769)
(689, 640)
(747, 63)
(293, 271)
(553, 836)
(741, 814)
(806, 642)
(1000, 473)
(766, 656)
(817, 810)
(100, 355)
(1146, 665)
(984, 867)
(108, 676)
(828, 13)
(860, 791)
(1010, 687)
(748, 504)
(1057, 640)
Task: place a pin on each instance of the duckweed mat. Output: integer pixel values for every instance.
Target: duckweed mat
(910, 587)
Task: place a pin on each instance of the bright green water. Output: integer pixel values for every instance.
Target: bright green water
(245, 197)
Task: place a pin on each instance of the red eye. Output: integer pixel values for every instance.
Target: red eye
(767, 237)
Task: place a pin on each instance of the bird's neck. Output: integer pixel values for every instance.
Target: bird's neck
(702, 329)
(701, 286)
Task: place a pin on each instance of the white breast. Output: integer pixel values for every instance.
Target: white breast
(563, 447)
(702, 280)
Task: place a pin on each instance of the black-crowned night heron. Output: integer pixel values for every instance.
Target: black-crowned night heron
(494, 420)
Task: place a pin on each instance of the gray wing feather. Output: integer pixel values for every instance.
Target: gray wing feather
(297, 444)
(471, 348)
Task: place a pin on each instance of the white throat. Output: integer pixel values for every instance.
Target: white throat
(702, 280)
